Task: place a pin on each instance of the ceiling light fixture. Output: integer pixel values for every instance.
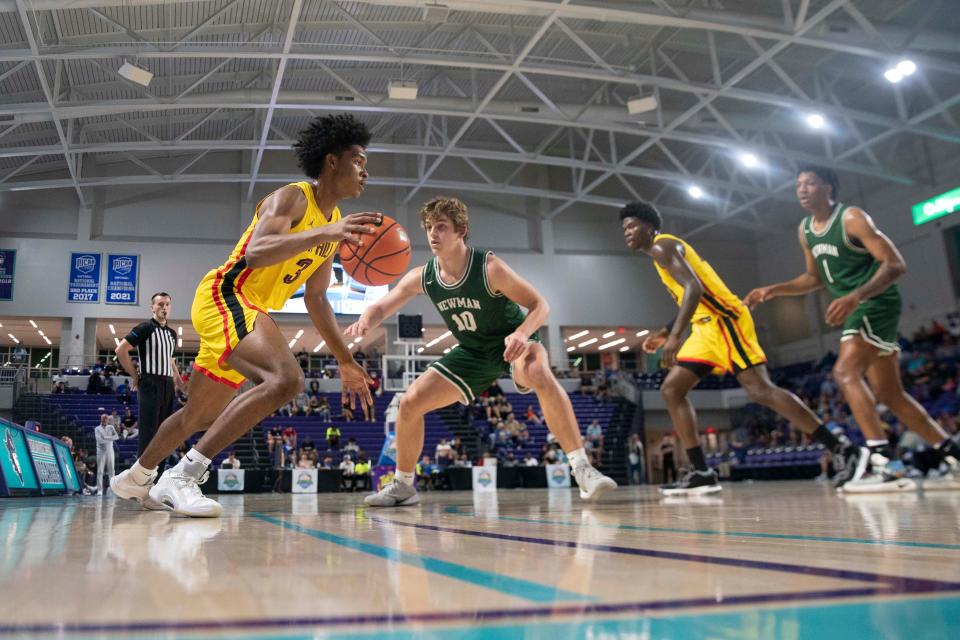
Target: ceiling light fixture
(608, 334)
(587, 343)
(816, 121)
(579, 334)
(319, 346)
(33, 324)
(612, 343)
(695, 192)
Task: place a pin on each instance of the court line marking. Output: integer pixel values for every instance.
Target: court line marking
(509, 585)
(894, 584)
(544, 612)
(456, 510)
(826, 622)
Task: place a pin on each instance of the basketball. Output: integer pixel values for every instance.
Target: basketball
(382, 258)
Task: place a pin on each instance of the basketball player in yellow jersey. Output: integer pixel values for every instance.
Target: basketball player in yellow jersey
(294, 233)
(722, 339)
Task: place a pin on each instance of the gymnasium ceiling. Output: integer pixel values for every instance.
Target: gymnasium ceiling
(505, 87)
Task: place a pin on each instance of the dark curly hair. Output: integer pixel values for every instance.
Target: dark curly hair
(643, 211)
(328, 134)
(827, 175)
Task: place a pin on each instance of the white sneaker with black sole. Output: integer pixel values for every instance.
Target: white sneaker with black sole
(695, 483)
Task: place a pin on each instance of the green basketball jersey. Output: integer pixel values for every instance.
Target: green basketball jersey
(478, 318)
(843, 265)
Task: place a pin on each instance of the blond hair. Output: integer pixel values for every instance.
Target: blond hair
(451, 208)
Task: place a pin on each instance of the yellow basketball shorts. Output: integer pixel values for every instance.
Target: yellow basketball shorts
(722, 344)
(222, 316)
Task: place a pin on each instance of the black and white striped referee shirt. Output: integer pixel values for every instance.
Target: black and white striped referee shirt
(155, 344)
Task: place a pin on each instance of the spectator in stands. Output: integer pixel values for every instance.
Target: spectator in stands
(114, 420)
(510, 460)
(308, 447)
(323, 409)
(130, 424)
(444, 453)
(94, 382)
(290, 432)
(458, 447)
(351, 446)
(595, 435)
(106, 435)
(301, 402)
(463, 461)
(534, 416)
(333, 437)
(286, 410)
(274, 439)
(313, 405)
(327, 462)
(230, 462)
(550, 455)
(427, 473)
(123, 392)
(289, 451)
(530, 460)
(303, 358)
(347, 413)
(106, 386)
(346, 470)
(68, 441)
(513, 427)
(635, 458)
(361, 473)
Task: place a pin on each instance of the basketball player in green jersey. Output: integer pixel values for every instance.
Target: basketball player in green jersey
(858, 265)
(479, 298)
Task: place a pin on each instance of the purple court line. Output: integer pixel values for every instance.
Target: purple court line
(437, 616)
(893, 584)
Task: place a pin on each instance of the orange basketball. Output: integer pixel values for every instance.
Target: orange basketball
(382, 258)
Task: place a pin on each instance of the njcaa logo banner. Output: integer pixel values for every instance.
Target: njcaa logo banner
(229, 480)
(122, 272)
(558, 476)
(485, 479)
(304, 481)
(84, 283)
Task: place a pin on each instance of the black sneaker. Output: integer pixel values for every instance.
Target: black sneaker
(850, 463)
(695, 483)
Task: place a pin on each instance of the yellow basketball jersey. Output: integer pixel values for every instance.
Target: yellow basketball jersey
(717, 299)
(271, 286)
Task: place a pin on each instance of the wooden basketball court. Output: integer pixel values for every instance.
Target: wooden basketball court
(784, 560)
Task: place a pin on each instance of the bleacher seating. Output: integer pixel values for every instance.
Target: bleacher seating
(585, 407)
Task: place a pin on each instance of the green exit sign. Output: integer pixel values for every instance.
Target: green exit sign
(944, 204)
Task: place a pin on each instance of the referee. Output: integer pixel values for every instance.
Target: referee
(154, 342)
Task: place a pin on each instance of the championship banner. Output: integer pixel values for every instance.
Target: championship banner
(558, 476)
(304, 481)
(122, 271)
(485, 478)
(229, 480)
(45, 463)
(84, 283)
(8, 260)
(16, 473)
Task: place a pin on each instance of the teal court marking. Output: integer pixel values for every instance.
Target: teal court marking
(517, 587)
(455, 510)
